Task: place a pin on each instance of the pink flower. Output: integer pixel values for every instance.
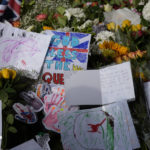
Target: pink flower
(140, 33)
(41, 17)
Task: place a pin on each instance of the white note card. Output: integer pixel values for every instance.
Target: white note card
(29, 145)
(99, 87)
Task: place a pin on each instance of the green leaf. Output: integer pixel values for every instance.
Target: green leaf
(62, 21)
(10, 119)
(61, 10)
(12, 129)
(10, 90)
(32, 3)
(3, 106)
(3, 95)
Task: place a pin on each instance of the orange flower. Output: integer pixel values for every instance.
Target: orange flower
(94, 4)
(131, 55)
(16, 23)
(47, 28)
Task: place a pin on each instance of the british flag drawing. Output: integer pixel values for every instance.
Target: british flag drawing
(10, 9)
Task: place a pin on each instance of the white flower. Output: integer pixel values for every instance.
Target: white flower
(66, 29)
(117, 16)
(96, 21)
(107, 8)
(67, 14)
(76, 12)
(86, 24)
(146, 11)
(104, 36)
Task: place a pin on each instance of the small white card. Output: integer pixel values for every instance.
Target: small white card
(29, 145)
(99, 87)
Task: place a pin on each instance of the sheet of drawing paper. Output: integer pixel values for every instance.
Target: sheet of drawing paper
(23, 50)
(133, 136)
(67, 51)
(116, 83)
(0, 122)
(29, 145)
(102, 128)
(98, 87)
(82, 88)
(147, 92)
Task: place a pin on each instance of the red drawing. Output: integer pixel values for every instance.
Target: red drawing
(23, 62)
(94, 127)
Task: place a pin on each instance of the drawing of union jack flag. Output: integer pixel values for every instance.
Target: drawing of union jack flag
(10, 9)
(82, 47)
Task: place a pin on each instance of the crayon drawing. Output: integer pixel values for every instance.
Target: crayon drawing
(102, 128)
(67, 51)
(19, 46)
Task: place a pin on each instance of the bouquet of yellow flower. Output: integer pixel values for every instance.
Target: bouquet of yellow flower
(11, 83)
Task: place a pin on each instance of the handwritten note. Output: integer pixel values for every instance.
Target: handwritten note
(23, 50)
(98, 87)
(100, 128)
(67, 51)
(116, 83)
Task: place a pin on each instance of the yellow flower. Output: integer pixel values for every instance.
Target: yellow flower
(111, 26)
(125, 57)
(134, 28)
(47, 28)
(5, 73)
(123, 50)
(126, 23)
(117, 27)
(118, 60)
(139, 26)
(0, 74)
(12, 73)
(139, 53)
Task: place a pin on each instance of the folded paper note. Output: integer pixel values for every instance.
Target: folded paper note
(29, 145)
(67, 51)
(98, 87)
(103, 128)
(23, 50)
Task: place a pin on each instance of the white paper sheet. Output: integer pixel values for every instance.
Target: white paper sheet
(99, 87)
(116, 83)
(29, 145)
(147, 92)
(100, 128)
(23, 50)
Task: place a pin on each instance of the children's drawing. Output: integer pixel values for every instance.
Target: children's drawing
(33, 100)
(24, 114)
(18, 46)
(42, 90)
(53, 104)
(102, 128)
(67, 51)
(50, 121)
